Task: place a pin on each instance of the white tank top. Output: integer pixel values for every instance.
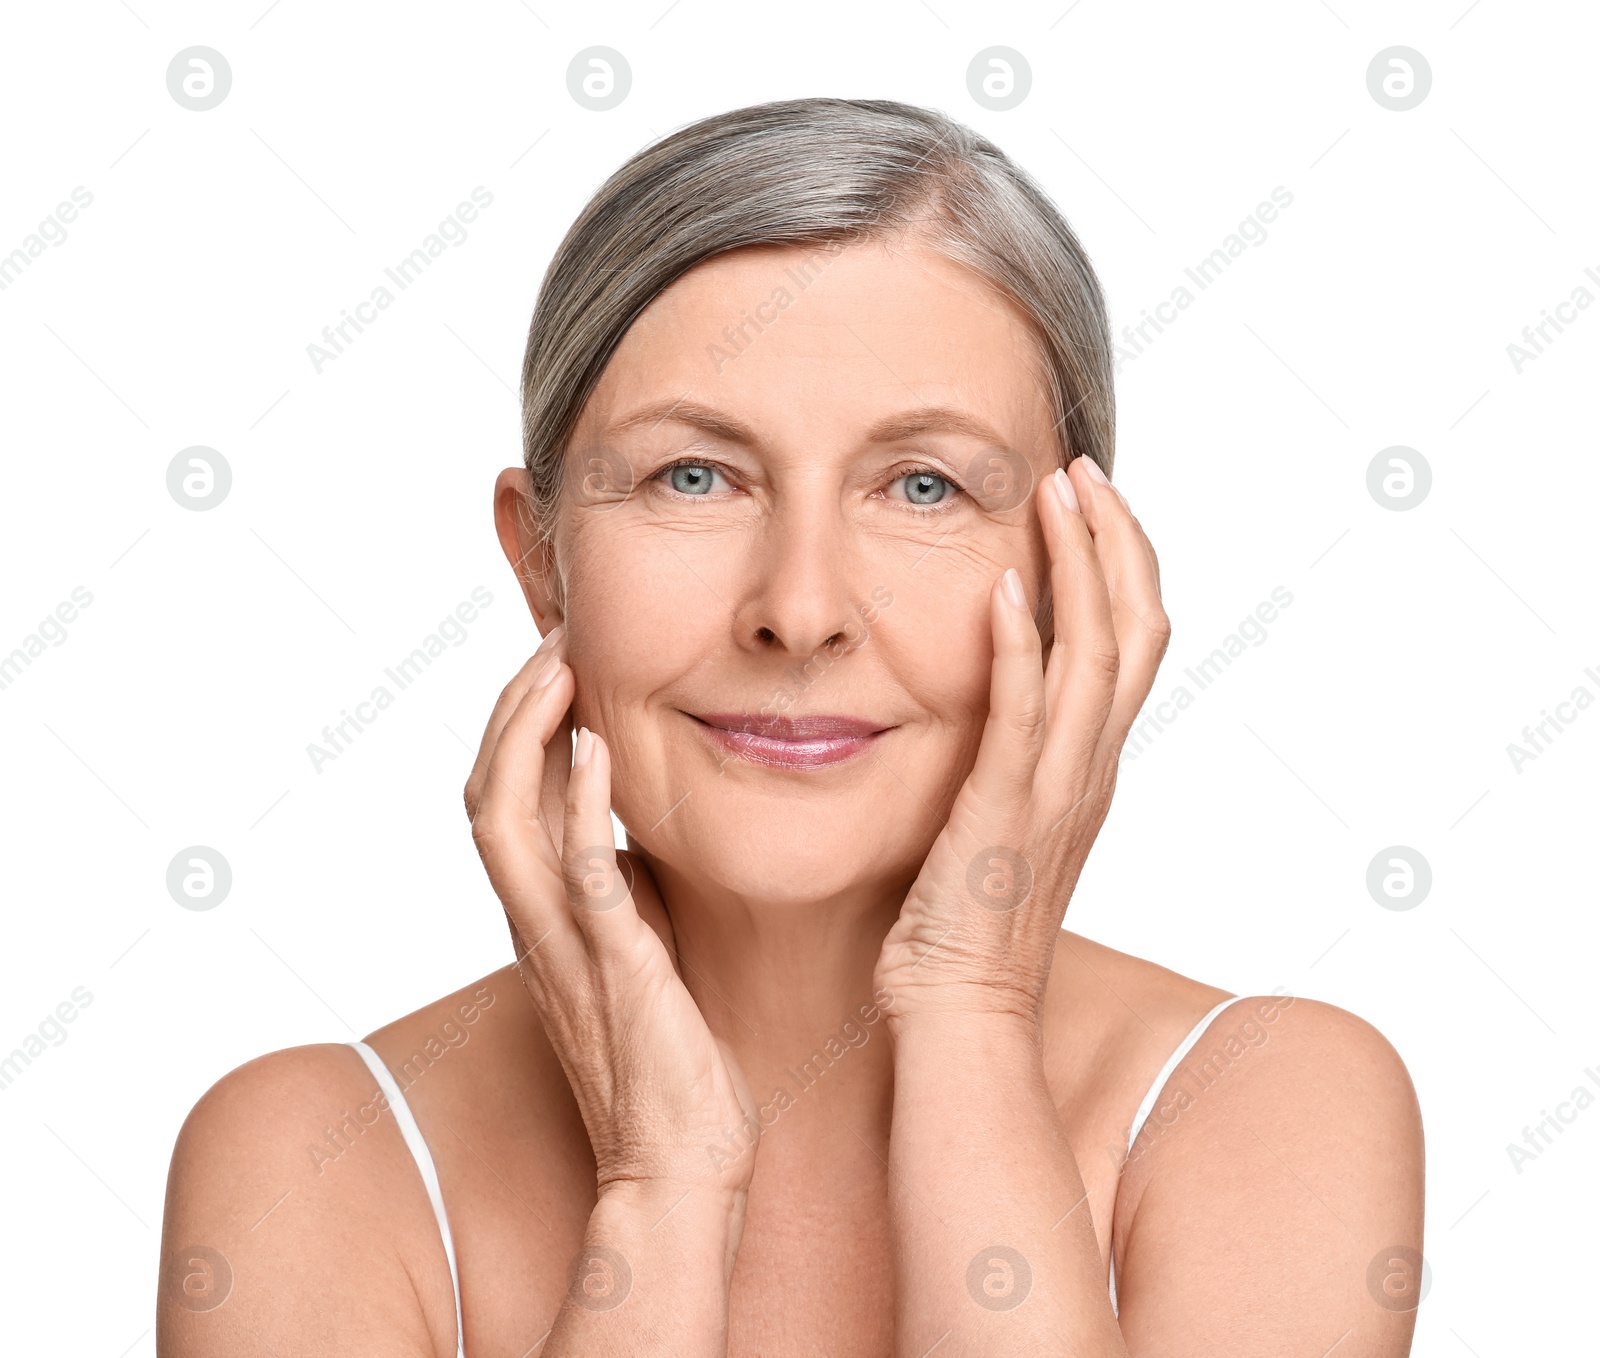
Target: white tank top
(1148, 1104)
(430, 1177)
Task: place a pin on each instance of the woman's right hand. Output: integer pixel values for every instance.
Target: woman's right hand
(657, 1090)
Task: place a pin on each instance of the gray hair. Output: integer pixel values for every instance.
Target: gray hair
(803, 171)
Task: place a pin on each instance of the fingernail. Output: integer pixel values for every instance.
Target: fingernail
(551, 637)
(1093, 468)
(547, 673)
(1069, 497)
(1011, 582)
(584, 747)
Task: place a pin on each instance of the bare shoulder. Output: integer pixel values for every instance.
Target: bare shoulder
(1121, 1017)
(1144, 989)
(288, 1181)
(1295, 1068)
(1111, 1020)
(1273, 1200)
(291, 1179)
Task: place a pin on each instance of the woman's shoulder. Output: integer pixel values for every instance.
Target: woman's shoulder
(1111, 1019)
(1129, 1013)
(1289, 1122)
(306, 1108)
(287, 1170)
(270, 1121)
(277, 1185)
(266, 1106)
(1115, 1021)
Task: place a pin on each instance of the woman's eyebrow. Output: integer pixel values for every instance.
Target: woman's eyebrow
(683, 411)
(891, 429)
(930, 420)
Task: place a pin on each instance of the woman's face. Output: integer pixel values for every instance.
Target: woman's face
(788, 499)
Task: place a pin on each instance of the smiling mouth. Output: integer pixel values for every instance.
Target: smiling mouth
(789, 742)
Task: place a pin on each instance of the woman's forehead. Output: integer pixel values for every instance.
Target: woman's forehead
(856, 337)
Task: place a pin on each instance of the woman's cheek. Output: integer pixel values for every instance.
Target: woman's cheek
(939, 652)
(941, 618)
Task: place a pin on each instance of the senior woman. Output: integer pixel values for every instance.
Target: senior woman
(816, 523)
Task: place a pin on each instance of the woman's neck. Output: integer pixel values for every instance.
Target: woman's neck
(789, 986)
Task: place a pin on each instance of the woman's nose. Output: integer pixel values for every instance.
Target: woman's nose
(806, 585)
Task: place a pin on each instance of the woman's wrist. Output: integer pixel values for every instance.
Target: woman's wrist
(964, 1013)
(655, 1268)
(995, 1039)
(706, 1204)
(978, 1147)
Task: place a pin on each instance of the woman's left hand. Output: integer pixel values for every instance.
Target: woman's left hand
(977, 931)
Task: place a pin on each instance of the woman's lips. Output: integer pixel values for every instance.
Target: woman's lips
(792, 742)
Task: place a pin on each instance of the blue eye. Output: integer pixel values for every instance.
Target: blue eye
(691, 478)
(925, 488)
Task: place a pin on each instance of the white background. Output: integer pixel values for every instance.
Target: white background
(1378, 711)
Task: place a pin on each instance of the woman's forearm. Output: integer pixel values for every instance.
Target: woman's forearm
(995, 1252)
(652, 1278)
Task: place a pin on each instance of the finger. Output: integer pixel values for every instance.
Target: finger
(1013, 734)
(1133, 583)
(1080, 680)
(516, 764)
(508, 829)
(550, 649)
(598, 885)
(557, 773)
(647, 898)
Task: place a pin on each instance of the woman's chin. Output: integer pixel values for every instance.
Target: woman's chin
(778, 864)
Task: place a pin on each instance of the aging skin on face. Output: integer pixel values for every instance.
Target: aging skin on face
(807, 524)
(813, 522)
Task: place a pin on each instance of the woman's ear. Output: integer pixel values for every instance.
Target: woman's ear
(529, 554)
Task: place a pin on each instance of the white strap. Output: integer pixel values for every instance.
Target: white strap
(1184, 1048)
(430, 1177)
(1145, 1108)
